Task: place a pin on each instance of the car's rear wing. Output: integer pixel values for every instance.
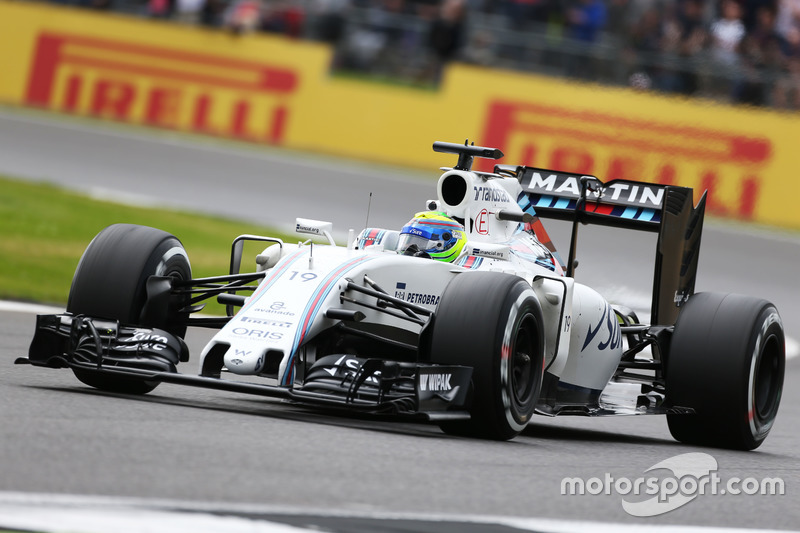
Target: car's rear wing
(664, 209)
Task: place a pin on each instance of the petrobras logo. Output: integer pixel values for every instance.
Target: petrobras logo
(161, 86)
(419, 298)
(422, 298)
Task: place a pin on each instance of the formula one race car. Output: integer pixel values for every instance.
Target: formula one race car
(467, 318)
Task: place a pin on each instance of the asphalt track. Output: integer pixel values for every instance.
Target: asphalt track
(193, 445)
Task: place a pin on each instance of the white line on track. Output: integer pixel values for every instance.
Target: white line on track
(24, 307)
(57, 513)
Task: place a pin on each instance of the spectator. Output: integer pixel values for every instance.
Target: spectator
(188, 11)
(684, 37)
(751, 10)
(330, 19)
(726, 34)
(480, 49)
(788, 18)
(243, 16)
(519, 13)
(645, 40)
(211, 14)
(160, 8)
(101, 5)
(787, 87)
(447, 33)
(761, 59)
(586, 19)
(282, 17)
(666, 42)
(425, 9)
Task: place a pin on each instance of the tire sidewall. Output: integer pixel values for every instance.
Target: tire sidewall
(522, 306)
(475, 325)
(770, 330)
(717, 349)
(110, 282)
(110, 279)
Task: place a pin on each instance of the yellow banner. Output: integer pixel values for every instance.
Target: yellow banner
(277, 91)
(158, 74)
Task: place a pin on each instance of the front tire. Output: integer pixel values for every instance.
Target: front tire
(726, 361)
(492, 322)
(110, 282)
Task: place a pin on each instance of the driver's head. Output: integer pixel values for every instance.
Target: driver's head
(432, 233)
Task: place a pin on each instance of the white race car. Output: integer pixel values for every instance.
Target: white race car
(467, 317)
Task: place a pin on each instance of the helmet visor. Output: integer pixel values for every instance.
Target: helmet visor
(425, 240)
(423, 244)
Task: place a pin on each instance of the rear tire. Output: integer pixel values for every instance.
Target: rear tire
(492, 322)
(726, 361)
(110, 282)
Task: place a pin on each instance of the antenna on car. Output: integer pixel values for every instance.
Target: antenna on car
(369, 204)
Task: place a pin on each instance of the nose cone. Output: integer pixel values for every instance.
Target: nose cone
(244, 362)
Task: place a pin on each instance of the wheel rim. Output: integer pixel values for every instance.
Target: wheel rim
(766, 380)
(523, 356)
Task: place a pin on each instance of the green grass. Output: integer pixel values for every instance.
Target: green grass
(45, 229)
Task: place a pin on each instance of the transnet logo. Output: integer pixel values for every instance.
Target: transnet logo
(612, 146)
(161, 86)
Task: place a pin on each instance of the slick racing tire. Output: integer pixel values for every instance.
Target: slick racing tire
(726, 361)
(492, 322)
(110, 282)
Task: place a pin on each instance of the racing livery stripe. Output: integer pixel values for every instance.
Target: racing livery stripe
(647, 214)
(543, 200)
(603, 209)
(273, 276)
(632, 213)
(444, 223)
(536, 226)
(471, 261)
(312, 309)
(373, 236)
(562, 203)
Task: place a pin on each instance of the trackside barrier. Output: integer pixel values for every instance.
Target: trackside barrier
(277, 91)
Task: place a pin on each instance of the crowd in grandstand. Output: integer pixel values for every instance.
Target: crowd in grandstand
(744, 51)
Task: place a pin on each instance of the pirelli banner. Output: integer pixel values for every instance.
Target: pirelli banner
(157, 74)
(277, 91)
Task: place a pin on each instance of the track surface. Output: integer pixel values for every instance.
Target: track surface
(191, 444)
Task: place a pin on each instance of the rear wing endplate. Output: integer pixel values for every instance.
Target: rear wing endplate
(664, 209)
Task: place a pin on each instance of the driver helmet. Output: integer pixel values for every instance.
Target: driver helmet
(432, 234)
